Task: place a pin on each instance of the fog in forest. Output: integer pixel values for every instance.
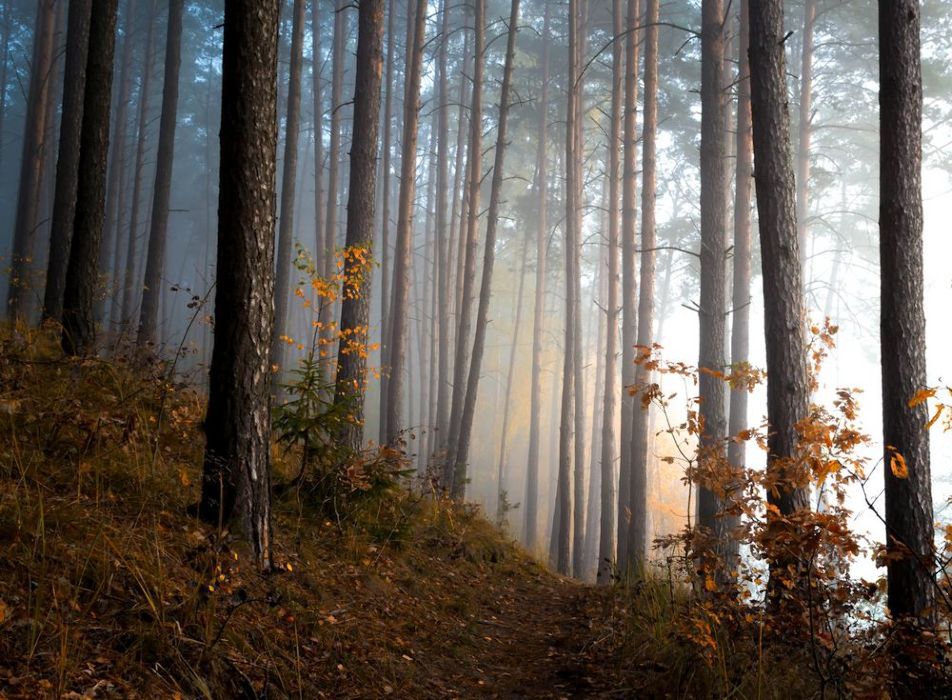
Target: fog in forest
(837, 149)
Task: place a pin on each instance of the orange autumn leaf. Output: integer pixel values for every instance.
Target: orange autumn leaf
(921, 396)
(897, 464)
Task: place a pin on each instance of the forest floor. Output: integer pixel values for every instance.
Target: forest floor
(110, 589)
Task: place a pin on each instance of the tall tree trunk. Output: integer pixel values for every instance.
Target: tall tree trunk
(805, 129)
(333, 166)
(385, 189)
(606, 541)
(442, 228)
(236, 482)
(318, 126)
(489, 252)
(629, 288)
(355, 307)
(712, 307)
(158, 231)
(531, 503)
(110, 259)
(909, 517)
(638, 501)
(402, 259)
(67, 162)
(31, 162)
(292, 132)
(787, 384)
(79, 322)
(740, 328)
(469, 241)
(130, 284)
(564, 495)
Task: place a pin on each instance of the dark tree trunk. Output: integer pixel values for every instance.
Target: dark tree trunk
(67, 162)
(158, 232)
(401, 274)
(489, 252)
(355, 307)
(110, 257)
(79, 322)
(333, 165)
(531, 504)
(31, 163)
(740, 328)
(805, 129)
(292, 131)
(130, 283)
(385, 190)
(441, 423)
(909, 517)
(629, 281)
(468, 242)
(236, 483)
(318, 125)
(713, 306)
(787, 384)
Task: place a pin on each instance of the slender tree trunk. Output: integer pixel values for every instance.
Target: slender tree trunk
(31, 163)
(355, 307)
(292, 130)
(385, 188)
(598, 328)
(442, 228)
(67, 162)
(629, 291)
(318, 125)
(402, 259)
(787, 385)
(110, 260)
(130, 284)
(236, 482)
(805, 129)
(909, 517)
(334, 157)
(489, 252)
(158, 231)
(531, 503)
(713, 306)
(108, 265)
(467, 275)
(606, 541)
(79, 322)
(638, 501)
(740, 328)
(564, 495)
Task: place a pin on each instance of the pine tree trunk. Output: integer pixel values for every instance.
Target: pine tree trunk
(401, 274)
(741, 299)
(31, 164)
(67, 162)
(79, 322)
(489, 251)
(787, 385)
(606, 541)
(441, 423)
(468, 242)
(130, 285)
(4, 68)
(629, 281)
(282, 286)
(909, 517)
(531, 503)
(355, 307)
(110, 259)
(318, 126)
(158, 231)
(236, 482)
(713, 303)
(638, 502)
